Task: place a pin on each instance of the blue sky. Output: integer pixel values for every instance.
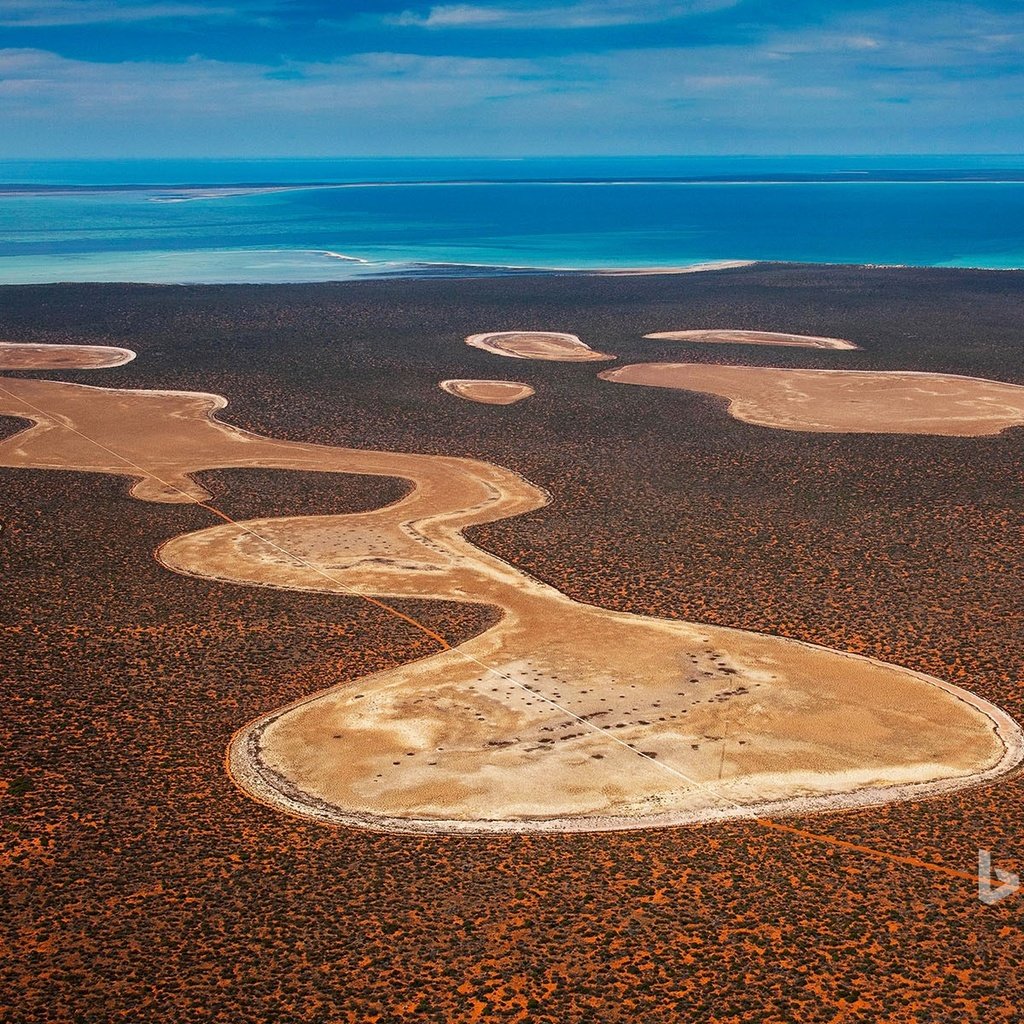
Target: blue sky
(112, 78)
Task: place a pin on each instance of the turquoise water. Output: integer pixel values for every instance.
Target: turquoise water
(316, 220)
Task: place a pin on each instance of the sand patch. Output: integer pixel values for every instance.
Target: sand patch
(489, 392)
(844, 401)
(547, 345)
(562, 715)
(16, 355)
(692, 268)
(754, 338)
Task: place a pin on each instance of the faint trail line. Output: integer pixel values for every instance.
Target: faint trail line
(227, 519)
(440, 640)
(744, 812)
(872, 851)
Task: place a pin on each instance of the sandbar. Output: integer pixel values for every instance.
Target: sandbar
(692, 268)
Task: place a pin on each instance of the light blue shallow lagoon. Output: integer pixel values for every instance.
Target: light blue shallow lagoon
(323, 220)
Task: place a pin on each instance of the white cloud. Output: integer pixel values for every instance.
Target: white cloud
(583, 14)
(933, 35)
(43, 13)
(710, 83)
(861, 43)
(451, 16)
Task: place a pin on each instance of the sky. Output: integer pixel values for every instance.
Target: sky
(251, 78)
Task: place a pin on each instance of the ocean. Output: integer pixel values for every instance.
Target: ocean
(221, 221)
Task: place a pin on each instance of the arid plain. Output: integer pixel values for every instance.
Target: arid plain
(666, 534)
(517, 729)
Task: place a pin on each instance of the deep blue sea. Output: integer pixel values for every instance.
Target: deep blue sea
(318, 220)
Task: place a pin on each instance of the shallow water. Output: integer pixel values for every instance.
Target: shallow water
(316, 220)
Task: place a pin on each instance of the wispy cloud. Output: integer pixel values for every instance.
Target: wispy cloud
(53, 13)
(936, 35)
(583, 14)
(712, 83)
(394, 87)
(909, 78)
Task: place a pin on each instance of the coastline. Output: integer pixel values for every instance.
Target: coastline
(323, 266)
(295, 221)
(295, 266)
